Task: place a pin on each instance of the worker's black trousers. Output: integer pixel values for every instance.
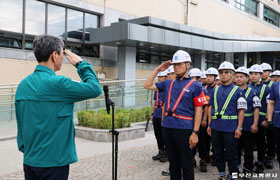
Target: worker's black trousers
(225, 148)
(260, 142)
(203, 145)
(270, 143)
(158, 133)
(246, 142)
(179, 153)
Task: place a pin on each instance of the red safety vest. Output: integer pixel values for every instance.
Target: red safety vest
(157, 104)
(172, 112)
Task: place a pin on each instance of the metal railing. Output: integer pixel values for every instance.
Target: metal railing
(125, 94)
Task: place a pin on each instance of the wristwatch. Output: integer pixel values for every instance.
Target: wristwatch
(77, 64)
(196, 132)
(239, 129)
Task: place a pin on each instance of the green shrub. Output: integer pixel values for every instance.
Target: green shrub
(123, 118)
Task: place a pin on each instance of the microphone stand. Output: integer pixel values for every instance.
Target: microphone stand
(115, 134)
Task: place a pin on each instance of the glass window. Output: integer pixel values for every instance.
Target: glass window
(11, 20)
(75, 24)
(91, 21)
(271, 16)
(10, 42)
(214, 59)
(56, 20)
(91, 50)
(35, 17)
(249, 6)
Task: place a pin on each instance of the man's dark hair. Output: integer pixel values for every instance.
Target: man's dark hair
(45, 45)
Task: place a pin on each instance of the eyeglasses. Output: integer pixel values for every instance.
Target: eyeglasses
(224, 72)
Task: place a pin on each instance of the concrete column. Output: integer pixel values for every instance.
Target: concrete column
(203, 62)
(126, 64)
(245, 60)
(230, 57)
(258, 58)
(260, 10)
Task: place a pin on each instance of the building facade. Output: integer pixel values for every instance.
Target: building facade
(127, 39)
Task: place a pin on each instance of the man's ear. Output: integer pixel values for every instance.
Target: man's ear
(188, 64)
(54, 56)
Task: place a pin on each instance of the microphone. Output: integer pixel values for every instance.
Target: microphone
(106, 93)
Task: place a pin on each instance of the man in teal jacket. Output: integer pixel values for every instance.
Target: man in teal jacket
(44, 110)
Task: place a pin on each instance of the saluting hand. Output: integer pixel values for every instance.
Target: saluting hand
(193, 140)
(238, 133)
(164, 66)
(72, 57)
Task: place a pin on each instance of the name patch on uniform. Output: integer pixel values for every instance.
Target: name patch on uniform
(242, 103)
(256, 102)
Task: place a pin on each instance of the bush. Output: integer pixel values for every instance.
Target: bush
(123, 118)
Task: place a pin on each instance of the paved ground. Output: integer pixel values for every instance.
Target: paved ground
(135, 162)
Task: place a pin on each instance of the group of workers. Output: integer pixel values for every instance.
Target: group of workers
(225, 112)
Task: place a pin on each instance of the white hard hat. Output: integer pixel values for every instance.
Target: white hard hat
(203, 75)
(226, 65)
(212, 71)
(266, 67)
(181, 56)
(162, 73)
(243, 70)
(256, 68)
(218, 78)
(276, 73)
(195, 72)
(170, 70)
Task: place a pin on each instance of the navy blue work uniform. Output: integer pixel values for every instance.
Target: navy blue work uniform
(181, 98)
(247, 137)
(268, 83)
(226, 102)
(263, 93)
(157, 115)
(275, 96)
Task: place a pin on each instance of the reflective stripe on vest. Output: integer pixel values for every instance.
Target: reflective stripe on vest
(225, 105)
(248, 92)
(270, 84)
(248, 114)
(262, 92)
(172, 112)
(261, 96)
(226, 117)
(246, 96)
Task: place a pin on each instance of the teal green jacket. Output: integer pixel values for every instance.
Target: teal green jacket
(44, 106)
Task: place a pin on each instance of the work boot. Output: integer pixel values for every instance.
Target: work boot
(158, 156)
(222, 178)
(164, 157)
(166, 172)
(260, 167)
(247, 174)
(268, 163)
(203, 166)
(194, 162)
